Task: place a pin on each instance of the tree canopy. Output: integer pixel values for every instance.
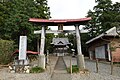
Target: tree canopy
(104, 16)
(14, 16)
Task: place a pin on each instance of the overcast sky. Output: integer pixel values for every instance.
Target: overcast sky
(70, 9)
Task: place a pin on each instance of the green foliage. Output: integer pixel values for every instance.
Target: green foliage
(36, 70)
(48, 40)
(75, 69)
(61, 35)
(104, 16)
(72, 40)
(84, 39)
(14, 16)
(112, 48)
(116, 64)
(6, 50)
(3, 15)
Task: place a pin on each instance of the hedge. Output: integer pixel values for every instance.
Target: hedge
(6, 50)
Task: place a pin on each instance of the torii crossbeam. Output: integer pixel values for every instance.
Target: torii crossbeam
(60, 23)
(57, 31)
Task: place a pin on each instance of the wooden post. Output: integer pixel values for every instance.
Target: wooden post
(23, 66)
(112, 66)
(50, 65)
(71, 65)
(97, 68)
(38, 50)
(63, 51)
(47, 57)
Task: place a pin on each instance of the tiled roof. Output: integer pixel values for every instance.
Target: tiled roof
(110, 32)
(60, 41)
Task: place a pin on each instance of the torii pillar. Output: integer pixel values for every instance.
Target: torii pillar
(80, 56)
(41, 59)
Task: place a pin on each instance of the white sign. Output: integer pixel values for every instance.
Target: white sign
(22, 47)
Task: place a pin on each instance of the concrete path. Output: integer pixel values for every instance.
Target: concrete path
(60, 72)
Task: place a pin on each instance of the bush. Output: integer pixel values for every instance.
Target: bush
(6, 50)
(75, 69)
(36, 70)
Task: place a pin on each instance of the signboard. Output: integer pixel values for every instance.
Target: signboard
(22, 47)
(60, 27)
(100, 52)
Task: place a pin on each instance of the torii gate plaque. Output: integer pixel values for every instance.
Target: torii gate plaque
(58, 22)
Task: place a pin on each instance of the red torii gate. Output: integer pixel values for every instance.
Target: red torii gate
(60, 23)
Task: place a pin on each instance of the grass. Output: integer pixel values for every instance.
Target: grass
(36, 70)
(75, 69)
(116, 64)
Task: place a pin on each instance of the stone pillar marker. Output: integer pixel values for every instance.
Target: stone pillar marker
(41, 60)
(80, 56)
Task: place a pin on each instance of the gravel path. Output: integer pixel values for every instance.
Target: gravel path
(103, 74)
(6, 75)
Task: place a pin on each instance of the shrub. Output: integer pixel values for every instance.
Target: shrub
(75, 69)
(6, 50)
(36, 70)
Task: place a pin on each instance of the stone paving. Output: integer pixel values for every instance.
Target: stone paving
(60, 72)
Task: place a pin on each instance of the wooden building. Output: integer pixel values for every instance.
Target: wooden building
(103, 45)
(60, 45)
